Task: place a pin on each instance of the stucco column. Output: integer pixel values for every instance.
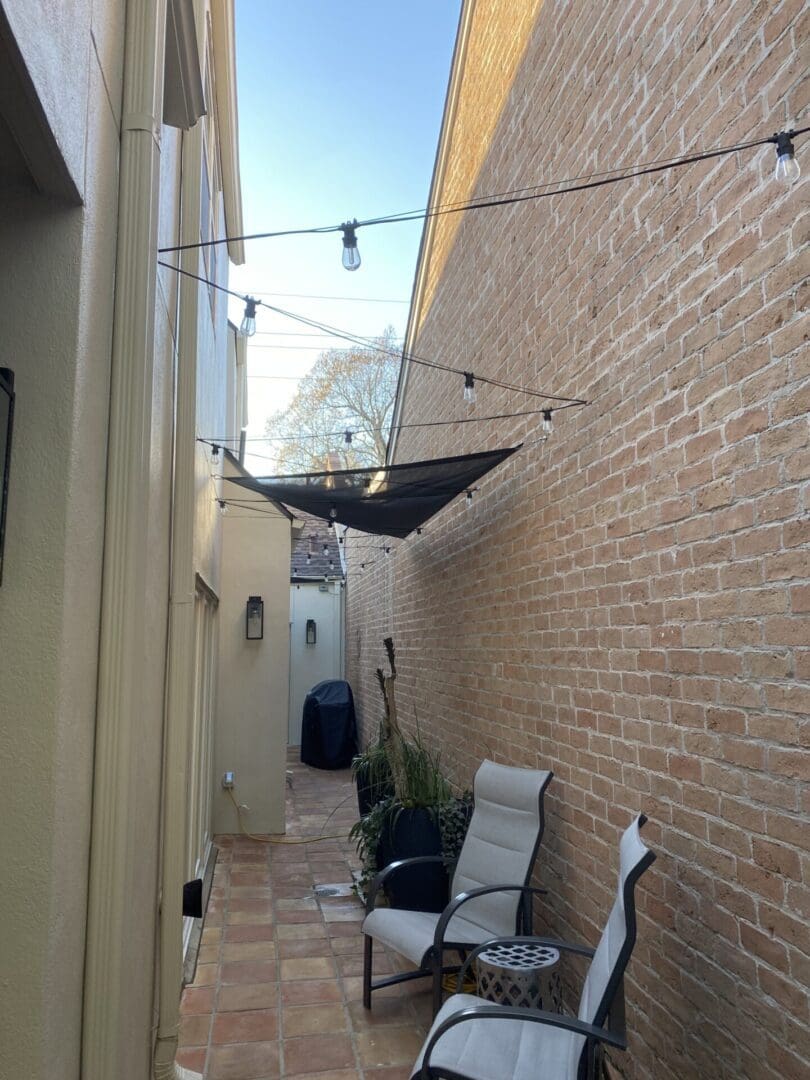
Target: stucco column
(115, 833)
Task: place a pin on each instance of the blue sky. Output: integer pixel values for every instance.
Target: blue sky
(339, 112)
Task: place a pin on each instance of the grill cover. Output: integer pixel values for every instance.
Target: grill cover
(329, 728)
(390, 501)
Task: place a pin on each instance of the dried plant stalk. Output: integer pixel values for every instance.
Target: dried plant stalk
(392, 735)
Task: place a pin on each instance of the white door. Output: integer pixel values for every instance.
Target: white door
(311, 664)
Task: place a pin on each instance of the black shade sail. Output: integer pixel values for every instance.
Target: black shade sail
(391, 500)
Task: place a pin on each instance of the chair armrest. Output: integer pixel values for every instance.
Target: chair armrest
(387, 871)
(563, 946)
(511, 1012)
(462, 898)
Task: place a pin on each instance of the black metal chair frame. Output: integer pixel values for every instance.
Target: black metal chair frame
(611, 1008)
(433, 962)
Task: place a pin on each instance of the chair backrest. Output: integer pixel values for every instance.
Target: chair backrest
(619, 936)
(501, 843)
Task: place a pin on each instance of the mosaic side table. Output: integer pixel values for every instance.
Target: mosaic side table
(525, 975)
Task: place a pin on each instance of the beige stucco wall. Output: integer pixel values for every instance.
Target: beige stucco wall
(56, 286)
(251, 719)
(57, 276)
(57, 290)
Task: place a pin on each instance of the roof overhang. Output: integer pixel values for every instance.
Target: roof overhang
(183, 96)
(234, 465)
(224, 45)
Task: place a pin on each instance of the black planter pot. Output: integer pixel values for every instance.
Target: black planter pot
(417, 888)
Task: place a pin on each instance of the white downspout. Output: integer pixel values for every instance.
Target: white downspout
(181, 648)
(115, 828)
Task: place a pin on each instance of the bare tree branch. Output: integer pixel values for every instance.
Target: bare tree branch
(346, 389)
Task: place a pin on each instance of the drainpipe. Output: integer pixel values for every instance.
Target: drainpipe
(181, 650)
(115, 829)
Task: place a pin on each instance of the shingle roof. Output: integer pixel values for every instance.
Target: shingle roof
(314, 535)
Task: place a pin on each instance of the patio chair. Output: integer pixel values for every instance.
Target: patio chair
(470, 1040)
(490, 882)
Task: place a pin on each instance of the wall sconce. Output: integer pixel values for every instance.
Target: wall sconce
(312, 632)
(254, 619)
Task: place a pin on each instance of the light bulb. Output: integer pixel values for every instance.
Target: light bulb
(309, 558)
(362, 566)
(325, 549)
(351, 256)
(387, 551)
(547, 426)
(215, 453)
(469, 499)
(787, 169)
(347, 435)
(247, 327)
(223, 506)
(469, 387)
(332, 513)
(331, 564)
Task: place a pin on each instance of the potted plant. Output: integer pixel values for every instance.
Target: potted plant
(372, 775)
(416, 813)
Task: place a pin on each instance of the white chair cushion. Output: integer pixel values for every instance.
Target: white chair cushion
(500, 844)
(410, 933)
(497, 1049)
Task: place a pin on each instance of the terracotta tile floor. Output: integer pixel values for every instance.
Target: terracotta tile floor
(277, 991)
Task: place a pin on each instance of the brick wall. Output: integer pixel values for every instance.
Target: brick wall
(627, 603)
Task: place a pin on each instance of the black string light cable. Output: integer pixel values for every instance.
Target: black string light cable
(243, 504)
(346, 299)
(782, 140)
(401, 427)
(368, 343)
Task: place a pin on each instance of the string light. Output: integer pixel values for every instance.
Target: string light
(469, 387)
(332, 512)
(347, 437)
(373, 346)
(351, 256)
(215, 453)
(551, 189)
(247, 327)
(387, 551)
(787, 169)
(309, 558)
(223, 506)
(326, 549)
(469, 494)
(547, 427)
(401, 427)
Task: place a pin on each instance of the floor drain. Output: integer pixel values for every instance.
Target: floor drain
(333, 890)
